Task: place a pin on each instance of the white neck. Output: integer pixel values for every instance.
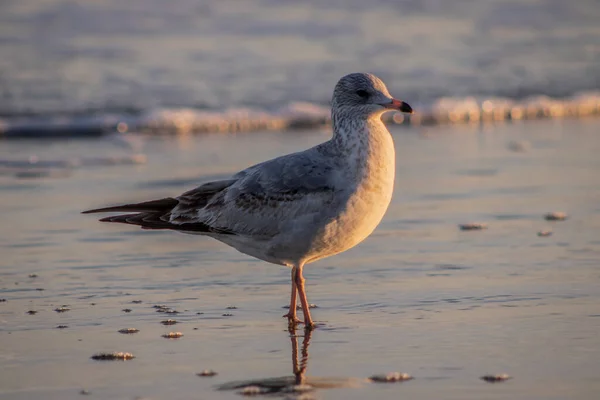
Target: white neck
(356, 132)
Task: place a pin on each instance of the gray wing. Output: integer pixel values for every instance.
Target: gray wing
(264, 199)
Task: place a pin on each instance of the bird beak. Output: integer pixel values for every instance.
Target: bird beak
(399, 106)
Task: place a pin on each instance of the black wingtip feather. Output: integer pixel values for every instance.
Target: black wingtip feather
(153, 221)
(160, 205)
(151, 215)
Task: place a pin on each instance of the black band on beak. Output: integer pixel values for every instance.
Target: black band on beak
(400, 106)
(405, 107)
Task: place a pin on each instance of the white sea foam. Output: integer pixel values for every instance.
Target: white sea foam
(299, 115)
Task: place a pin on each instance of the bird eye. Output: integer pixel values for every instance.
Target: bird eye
(362, 93)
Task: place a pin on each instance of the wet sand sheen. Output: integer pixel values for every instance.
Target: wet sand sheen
(419, 297)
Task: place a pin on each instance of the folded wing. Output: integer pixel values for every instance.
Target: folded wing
(259, 201)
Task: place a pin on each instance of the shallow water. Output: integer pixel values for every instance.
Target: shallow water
(419, 296)
(86, 65)
(79, 55)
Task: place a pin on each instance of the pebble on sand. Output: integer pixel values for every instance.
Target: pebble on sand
(556, 216)
(113, 356)
(126, 310)
(62, 326)
(169, 322)
(544, 233)
(128, 330)
(227, 315)
(33, 275)
(391, 377)
(207, 373)
(31, 312)
(172, 335)
(62, 309)
(136, 301)
(473, 226)
(496, 378)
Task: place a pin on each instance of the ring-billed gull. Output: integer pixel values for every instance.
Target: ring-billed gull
(301, 207)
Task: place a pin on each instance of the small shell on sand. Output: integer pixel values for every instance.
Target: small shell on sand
(128, 330)
(172, 335)
(496, 378)
(166, 310)
(391, 377)
(519, 145)
(302, 388)
(62, 309)
(207, 372)
(113, 356)
(544, 233)
(169, 322)
(253, 391)
(299, 306)
(556, 216)
(303, 396)
(472, 226)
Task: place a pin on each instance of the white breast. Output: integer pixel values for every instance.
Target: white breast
(371, 170)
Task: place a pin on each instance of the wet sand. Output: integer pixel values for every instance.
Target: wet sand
(420, 296)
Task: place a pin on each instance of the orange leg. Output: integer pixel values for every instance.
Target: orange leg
(308, 322)
(291, 315)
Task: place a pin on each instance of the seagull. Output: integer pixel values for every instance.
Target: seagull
(300, 207)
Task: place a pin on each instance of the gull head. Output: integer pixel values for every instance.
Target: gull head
(364, 95)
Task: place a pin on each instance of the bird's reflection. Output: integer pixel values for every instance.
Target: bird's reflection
(298, 383)
(299, 368)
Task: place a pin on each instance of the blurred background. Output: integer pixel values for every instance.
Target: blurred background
(259, 58)
(111, 101)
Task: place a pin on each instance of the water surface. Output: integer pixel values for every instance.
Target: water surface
(419, 296)
(136, 59)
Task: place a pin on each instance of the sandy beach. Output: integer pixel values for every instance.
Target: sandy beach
(485, 265)
(420, 296)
